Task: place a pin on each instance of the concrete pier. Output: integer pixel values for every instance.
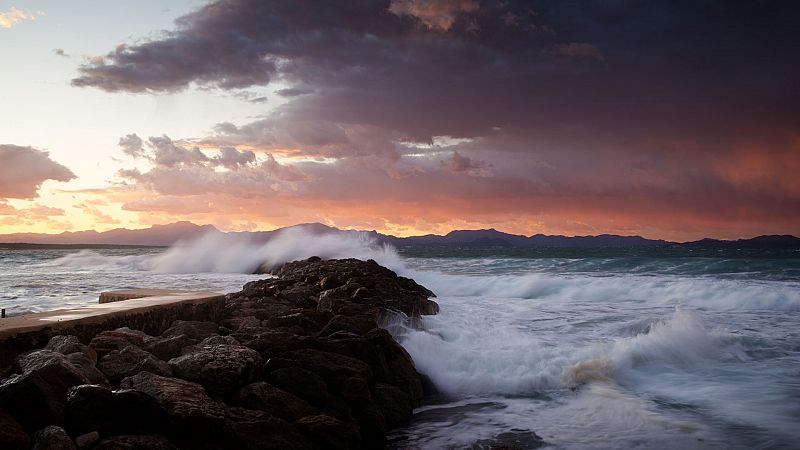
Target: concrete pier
(149, 310)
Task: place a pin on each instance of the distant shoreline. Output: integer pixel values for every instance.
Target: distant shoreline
(26, 246)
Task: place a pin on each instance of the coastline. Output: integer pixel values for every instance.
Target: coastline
(297, 361)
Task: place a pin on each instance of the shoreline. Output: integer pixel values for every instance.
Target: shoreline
(298, 361)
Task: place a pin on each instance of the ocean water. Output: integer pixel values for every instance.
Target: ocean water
(587, 349)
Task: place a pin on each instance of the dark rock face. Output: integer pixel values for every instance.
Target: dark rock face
(94, 408)
(108, 341)
(219, 368)
(268, 398)
(257, 430)
(70, 344)
(135, 442)
(182, 400)
(297, 362)
(52, 438)
(169, 347)
(328, 432)
(344, 279)
(118, 364)
(12, 436)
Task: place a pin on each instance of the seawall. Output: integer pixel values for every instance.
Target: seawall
(149, 310)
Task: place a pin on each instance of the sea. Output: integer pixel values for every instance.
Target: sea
(554, 348)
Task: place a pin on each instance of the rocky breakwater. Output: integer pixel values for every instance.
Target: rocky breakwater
(298, 362)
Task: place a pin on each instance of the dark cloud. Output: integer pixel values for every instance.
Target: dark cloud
(460, 163)
(132, 145)
(24, 169)
(293, 92)
(623, 105)
(232, 158)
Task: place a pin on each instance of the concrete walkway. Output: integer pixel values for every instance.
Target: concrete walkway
(149, 310)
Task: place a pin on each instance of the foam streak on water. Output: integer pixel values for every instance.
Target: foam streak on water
(593, 351)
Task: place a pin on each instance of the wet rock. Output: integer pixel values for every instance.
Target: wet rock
(219, 368)
(270, 343)
(266, 397)
(94, 408)
(394, 404)
(32, 401)
(135, 442)
(358, 325)
(330, 433)
(168, 347)
(218, 340)
(70, 344)
(385, 289)
(331, 367)
(250, 429)
(12, 436)
(52, 438)
(401, 371)
(361, 293)
(330, 282)
(131, 360)
(53, 367)
(108, 341)
(85, 440)
(192, 329)
(300, 382)
(87, 367)
(184, 401)
(301, 321)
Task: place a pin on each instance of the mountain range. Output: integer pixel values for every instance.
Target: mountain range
(165, 235)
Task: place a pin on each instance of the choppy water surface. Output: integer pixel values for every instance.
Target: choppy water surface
(587, 349)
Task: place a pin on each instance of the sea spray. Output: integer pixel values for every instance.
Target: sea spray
(221, 253)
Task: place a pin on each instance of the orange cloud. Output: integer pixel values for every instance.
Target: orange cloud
(13, 16)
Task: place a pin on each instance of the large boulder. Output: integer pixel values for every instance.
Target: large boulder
(52, 438)
(94, 408)
(192, 329)
(266, 397)
(55, 368)
(66, 344)
(219, 368)
(135, 442)
(108, 341)
(300, 382)
(12, 436)
(258, 430)
(330, 433)
(166, 348)
(36, 397)
(185, 402)
(32, 401)
(86, 366)
(118, 364)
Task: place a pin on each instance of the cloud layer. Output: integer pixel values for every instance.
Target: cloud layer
(664, 117)
(24, 169)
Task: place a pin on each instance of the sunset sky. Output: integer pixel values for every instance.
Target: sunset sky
(666, 119)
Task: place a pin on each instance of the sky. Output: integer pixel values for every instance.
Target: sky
(666, 119)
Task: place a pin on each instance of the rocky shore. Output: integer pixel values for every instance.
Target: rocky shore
(297, 362)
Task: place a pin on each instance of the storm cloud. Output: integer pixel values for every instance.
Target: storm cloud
(24, 169)
(648, 110)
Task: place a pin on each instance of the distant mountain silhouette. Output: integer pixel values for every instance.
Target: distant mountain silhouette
(165, 235)
(157, 235)
(775, 241)
(494, 238)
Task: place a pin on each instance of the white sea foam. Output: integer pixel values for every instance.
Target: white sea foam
(220, 253)
(663, 290)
